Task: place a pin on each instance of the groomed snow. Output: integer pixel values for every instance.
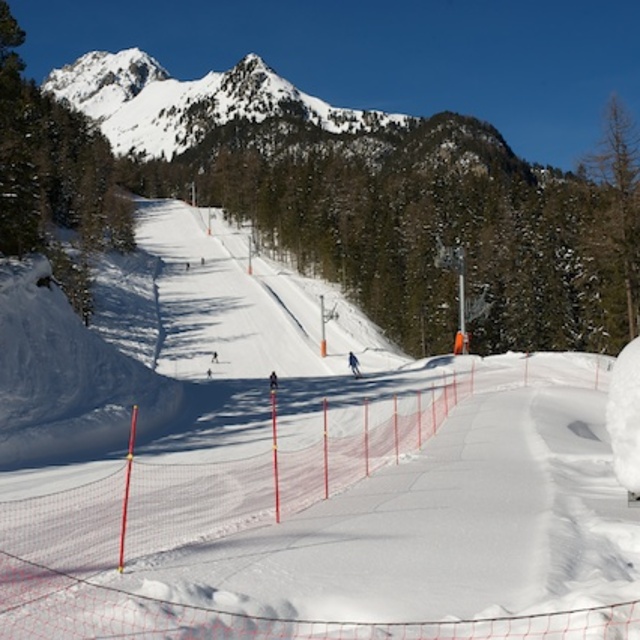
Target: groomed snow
(512, 508)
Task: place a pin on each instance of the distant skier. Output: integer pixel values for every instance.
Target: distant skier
(209, 373)
(214, 357)
(273, 382)
(354, 365)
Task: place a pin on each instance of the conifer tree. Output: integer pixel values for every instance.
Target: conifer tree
(11, 65)
(617, 165)
(18, 222)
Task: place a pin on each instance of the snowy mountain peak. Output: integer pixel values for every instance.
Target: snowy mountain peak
(140, 115)
(99, 82)
(256, 89)
(253, 63)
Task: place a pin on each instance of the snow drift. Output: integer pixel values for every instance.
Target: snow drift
(65, 390)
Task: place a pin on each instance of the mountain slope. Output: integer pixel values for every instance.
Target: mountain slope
(273, 313)
(141, 108)
(98, 83)
(152, 313)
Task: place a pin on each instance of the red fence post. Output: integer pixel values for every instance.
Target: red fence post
(366, 436)
(274, 421)
(125, 505)
(326, 453)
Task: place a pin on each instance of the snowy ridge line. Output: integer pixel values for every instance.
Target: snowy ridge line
(139, 105)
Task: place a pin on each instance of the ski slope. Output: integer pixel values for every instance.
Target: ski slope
(256, 323)
(511, 508)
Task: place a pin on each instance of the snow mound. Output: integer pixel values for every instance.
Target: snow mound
(59, 379)
(623, 416)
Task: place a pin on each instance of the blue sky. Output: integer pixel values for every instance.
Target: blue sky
(541, 73)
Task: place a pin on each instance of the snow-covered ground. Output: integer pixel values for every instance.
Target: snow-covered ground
(511, 509)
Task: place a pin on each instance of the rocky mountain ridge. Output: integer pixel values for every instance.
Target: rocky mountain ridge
(142, 110)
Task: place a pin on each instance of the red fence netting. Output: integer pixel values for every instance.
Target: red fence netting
(54, 548)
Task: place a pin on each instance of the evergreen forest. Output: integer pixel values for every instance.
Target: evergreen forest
(550, 258)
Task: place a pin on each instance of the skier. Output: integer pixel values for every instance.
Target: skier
(354, 365)
(214, 357)
(273, 382)
(209, 373)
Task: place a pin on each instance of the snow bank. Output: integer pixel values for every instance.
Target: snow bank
(623, 416)
(57, 378)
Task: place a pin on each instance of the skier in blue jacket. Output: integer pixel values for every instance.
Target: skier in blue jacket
(354, 364)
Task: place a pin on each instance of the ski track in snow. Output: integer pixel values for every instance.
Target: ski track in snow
(511, 507)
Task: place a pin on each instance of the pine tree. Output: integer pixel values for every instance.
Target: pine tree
(19, 231)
